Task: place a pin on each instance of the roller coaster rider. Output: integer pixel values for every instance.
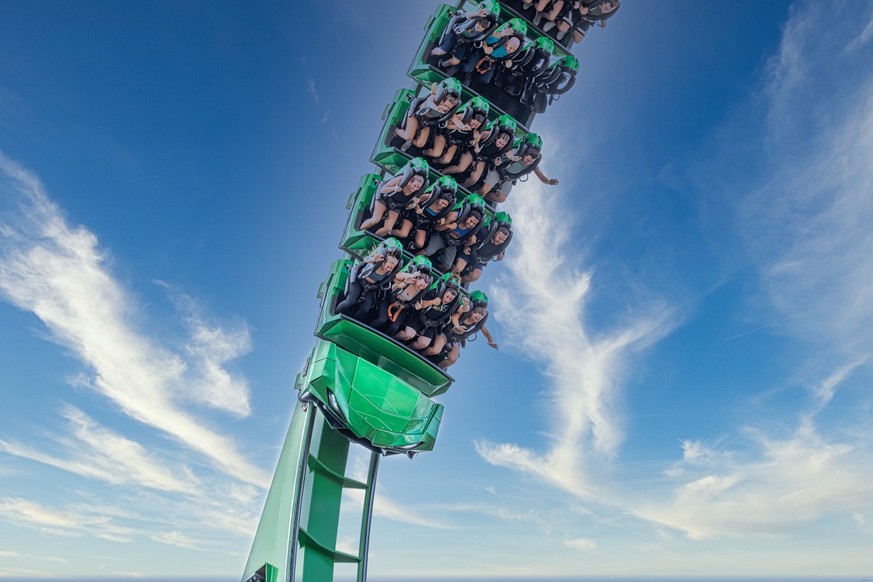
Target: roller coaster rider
(527, 66)
(496, 140)
(374, 273)
(585, 14)
(427, 112)
(554, 82)
(496, 50)
(457, 229)
(460, 133)
(407, 288)
(464, 30)
(394, 194)
(495, 238)
(468, 320)
(426, 216)
(523, 159)
(433, 312)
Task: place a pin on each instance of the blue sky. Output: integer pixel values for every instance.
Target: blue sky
(685, 322)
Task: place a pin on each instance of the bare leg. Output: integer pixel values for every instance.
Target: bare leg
(556, 8)
(473, 277)
(438, 343)
(439, 144)
(420, 238)
(451, 358)
(405, 334)
(393, 215)
(404, 229)
(422, 137)
(408, 132)
(378, 213)
(475, 174)
(461, 166)
(450, 153)
(421, 343)
(495, 197)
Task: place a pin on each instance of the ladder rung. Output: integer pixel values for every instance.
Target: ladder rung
(316, 465)
(335, 555)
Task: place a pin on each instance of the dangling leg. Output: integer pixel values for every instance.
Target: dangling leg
(353, 293)
(475, 175)
(439, 341)
(378, 212)
(423, 135)
(404, 230)
(389, 223)
(449, 155)
(451, 357)
(436, 150)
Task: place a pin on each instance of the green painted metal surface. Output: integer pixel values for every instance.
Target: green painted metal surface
(371, 345)
(373, 404)
(274, 536)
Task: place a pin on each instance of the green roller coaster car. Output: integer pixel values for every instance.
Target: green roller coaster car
(372, 345)
(368, 404)
(359, 242)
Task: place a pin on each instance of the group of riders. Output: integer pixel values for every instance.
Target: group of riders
(451, 235)
(490, 57)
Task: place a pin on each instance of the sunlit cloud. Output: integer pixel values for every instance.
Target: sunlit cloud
(583, 544)
(61, 274)
(543, 302)
(98, 453)
(772, 490)
(806, 223)
(807, 220)
(62, 522)
(385, 507)
(496, 511)
(175, 538)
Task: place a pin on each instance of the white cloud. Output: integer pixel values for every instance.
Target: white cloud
(61, 275)
(98, 453)
(385, 507)
(496, 511)
(62, 522)
(806, 222)
(313, 92)
(543, 304)
(584, 544)
(175, 538)
(772, 490)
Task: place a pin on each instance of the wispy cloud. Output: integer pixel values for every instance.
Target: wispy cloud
(175, 538)
(385, 507)
(313, 93)
(583, 544)
(805, 219)
(770, 490)
(543, 304)
(62, 521)
(496, 511)
(62, 275)
(98, 453)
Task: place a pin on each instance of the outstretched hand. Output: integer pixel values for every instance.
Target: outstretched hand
(494, 345)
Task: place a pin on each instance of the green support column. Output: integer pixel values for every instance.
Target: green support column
(276, 533)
